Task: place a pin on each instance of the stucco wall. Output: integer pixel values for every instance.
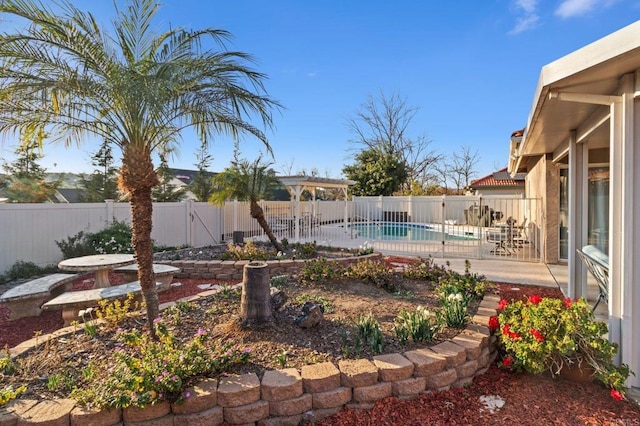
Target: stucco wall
(543, 182)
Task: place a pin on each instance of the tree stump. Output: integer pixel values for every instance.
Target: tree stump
(255, 305)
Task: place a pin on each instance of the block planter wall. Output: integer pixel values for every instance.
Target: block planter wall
(232, 270)
(287, 396)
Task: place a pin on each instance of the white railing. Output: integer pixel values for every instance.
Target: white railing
(454, 226)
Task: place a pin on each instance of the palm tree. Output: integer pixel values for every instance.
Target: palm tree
(253, 181)
(134, 88)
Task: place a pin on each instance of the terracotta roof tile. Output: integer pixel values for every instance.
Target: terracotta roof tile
(500, 178)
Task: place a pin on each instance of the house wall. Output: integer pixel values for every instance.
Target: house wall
(543, 182)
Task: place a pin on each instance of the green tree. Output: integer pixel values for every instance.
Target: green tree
(202, 186)
(26, 182)
(135, 88)
(167, 192)
(102, 184)
(376, 173)
(248, 181)
(382, 124)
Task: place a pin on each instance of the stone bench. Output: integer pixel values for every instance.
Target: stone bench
(25, 300)
(163, 273)
(72, 302)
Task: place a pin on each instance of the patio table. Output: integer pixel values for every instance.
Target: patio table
(100, 263)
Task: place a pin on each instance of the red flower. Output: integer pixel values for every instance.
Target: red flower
(506, 329)
(617, 395)
(535, 299)
(494, 324)
(502, 304)
(539, 337)
(507, 362)
(567, 302)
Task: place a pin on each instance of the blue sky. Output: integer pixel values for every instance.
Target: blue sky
(469, 66)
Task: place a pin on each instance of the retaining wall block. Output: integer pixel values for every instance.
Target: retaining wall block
(212, 417)
(167, 420)
(246, 413)
(456, 355)
(332, 399)
(471, 344)
(468, 369)
(279, 385)
(320, 377)
(483, 359)
(356, 373)
(482, 338)
(291, 407)
(488, 312)
(49, 412)
(460, 383)
(282, 421)
(82, 416)
(203, 396)
(412, 386)
(393, 367)
(236, 391)
(426, 362)
(372, 393)
(150, 412)
(480, 319)
(441, 380)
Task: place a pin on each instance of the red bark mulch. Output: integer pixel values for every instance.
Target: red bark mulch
(528, 399)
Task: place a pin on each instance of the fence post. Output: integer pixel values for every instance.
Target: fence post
(188, 217)
(480, 230)
(109, 217)
(442, 223)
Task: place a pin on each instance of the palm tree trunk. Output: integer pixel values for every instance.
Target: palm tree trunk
(138, 177)
(258, 214)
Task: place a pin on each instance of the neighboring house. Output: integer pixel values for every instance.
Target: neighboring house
(581, 152)
(184, 178)
(68, 195)
(498, 183)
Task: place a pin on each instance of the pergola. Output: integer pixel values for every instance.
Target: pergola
(296, 184)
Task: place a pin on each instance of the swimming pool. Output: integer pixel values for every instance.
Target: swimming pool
(404, 232)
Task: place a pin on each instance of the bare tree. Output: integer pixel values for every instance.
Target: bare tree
(464, 165)
(459, 169)
(382, 124)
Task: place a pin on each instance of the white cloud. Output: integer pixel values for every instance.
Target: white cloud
(529, 17)
(529, 6)
(571, 8)
(312, 74)
(525, 24)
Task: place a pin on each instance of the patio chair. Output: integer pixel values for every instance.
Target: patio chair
(502, 240)
(597, 264)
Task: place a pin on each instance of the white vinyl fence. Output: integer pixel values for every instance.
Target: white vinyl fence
(449, 226)
(29, 232)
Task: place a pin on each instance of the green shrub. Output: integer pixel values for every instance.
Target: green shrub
(550, 334)
(319, 271)
(246, 251)
(113, 239)
(420, 325)
(372, 272)
(150, 371)
(426, 270)
(325, 304)
(22, 269)
(305, 250)
(76, 246)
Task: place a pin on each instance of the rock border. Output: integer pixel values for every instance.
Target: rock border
(287, 396)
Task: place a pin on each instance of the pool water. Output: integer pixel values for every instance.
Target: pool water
(403, 232)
